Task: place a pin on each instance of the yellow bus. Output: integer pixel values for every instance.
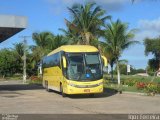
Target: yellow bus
(74, 69)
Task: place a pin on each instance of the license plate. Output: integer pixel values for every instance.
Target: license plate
(87, 90)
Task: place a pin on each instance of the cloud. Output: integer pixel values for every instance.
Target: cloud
(112, 5)
(64, 2)
(153, 25)
(142, 34)
(148, 29)
(67, 2)
(108, 5)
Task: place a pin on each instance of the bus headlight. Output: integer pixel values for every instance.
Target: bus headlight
(71, 84)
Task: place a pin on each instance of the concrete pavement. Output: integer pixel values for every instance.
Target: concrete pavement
(31, 99)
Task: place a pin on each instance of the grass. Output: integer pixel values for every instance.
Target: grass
(124, 88)
(14, 77)
(37, 82)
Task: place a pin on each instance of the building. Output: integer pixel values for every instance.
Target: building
(10, 25)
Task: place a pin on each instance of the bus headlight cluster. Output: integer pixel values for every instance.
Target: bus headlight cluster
(71, 84)
(85, 86)
(101, 83)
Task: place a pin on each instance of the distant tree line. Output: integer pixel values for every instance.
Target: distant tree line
(11, 60)
(133, 71)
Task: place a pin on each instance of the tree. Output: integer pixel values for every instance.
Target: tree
(45, 43)
(152, 46)
(87, 22)
(109, 55)
(122, 67)
(7, 62)
(18, 53)
(117, 39)
(41, 39)
(42, 47)
(71, 36)
(57, 41)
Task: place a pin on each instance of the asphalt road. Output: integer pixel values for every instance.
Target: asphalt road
(18, 98)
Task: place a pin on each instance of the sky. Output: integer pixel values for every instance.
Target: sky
(48, 15)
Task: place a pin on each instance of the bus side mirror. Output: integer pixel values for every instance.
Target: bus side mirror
(105, 61)
(64, 62)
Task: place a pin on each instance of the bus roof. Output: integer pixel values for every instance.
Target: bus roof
(75, 48)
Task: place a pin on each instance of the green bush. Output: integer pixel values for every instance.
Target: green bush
(106, 81)
(129, 82)
(152, 88)
(151, 73)
(158, 88)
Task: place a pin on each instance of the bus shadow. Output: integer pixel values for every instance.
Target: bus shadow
(16, 87)
(107, 93)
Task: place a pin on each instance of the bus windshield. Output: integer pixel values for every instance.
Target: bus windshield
(84, 66)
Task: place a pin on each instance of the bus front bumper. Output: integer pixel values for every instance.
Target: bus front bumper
(74, 90)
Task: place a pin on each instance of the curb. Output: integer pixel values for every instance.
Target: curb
(136, 93)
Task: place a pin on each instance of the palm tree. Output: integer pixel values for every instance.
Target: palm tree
(57, 41)
(45, 43)
(42, 39)
(71, 36)
(117, 39)
(18, 51)
(42, 47)
(87, 21)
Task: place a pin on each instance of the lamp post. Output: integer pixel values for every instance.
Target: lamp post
(24, 57)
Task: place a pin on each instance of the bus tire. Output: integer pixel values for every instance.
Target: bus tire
(46, 86)
(61, 91)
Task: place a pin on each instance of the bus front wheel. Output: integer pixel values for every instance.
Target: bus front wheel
(61, 91)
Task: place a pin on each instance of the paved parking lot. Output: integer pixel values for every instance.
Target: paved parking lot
(19, 98)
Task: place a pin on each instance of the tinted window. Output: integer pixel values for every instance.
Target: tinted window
(92, 59)
(51, 61)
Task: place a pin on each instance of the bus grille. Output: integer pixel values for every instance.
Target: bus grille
(86, 86)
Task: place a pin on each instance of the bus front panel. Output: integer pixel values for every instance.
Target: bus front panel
(74, 87)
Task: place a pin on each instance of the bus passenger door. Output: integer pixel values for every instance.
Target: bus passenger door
(58, 78)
